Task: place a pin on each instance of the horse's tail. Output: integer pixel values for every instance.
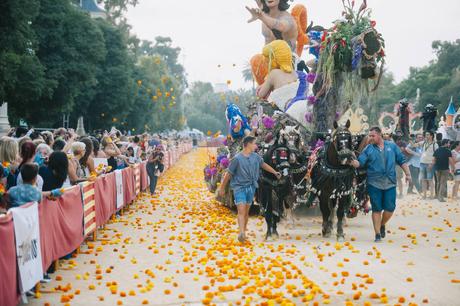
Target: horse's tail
(299, 12)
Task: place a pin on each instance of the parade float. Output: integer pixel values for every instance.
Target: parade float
(301, 95)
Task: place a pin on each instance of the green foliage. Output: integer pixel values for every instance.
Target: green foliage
(205, 109)
(437, 81)
(68, 63)
(71, 48)
(115, 83)
(157, 104)
(21, 73)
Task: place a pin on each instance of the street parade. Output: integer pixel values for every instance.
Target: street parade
(134, 175)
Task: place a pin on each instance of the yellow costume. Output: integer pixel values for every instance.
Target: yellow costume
(275, 55)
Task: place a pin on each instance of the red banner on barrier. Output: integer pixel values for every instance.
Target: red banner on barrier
(105, 196)
(61, 226)
(128, 185)
(144, 175)
(9, 293)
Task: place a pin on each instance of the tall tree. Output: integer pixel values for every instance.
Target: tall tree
(21, 73)
(71, 47)
(115, 88)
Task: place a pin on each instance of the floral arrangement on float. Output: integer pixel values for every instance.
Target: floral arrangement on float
(352, 47)
(215, 169)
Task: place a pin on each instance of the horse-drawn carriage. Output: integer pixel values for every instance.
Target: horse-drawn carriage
(293, 122)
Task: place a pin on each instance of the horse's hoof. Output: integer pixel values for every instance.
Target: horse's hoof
(326, 235)
(340, 238)
(275, 233)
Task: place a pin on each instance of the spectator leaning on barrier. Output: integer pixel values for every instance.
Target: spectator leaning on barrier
(111, 151)
(87, 161)
(55, 171)
(130, 154)
(136, 148)
(76, 173)
(28, 150)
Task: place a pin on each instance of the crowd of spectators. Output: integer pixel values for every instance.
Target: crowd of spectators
(37, 164)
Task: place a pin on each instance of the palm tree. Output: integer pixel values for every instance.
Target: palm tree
(248, 77)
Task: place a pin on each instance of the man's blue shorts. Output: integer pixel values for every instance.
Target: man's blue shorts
(426, 172)
(382, 199)
(244, 195)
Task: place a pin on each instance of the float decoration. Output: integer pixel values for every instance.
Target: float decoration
(237, 122)
(358, 120)
(353, 47)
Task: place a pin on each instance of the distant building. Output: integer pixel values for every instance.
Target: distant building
(93, 9)
(221, 87)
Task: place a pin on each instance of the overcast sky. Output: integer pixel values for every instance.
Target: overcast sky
(216, 32)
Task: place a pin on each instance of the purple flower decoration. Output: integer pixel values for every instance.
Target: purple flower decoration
(268, 122)
(337, 115)
(225, 162)
(225, 142)
(318, 144)
(311, 77)
(312, 100)
(220, 157)
(213, 171)
(309, 117)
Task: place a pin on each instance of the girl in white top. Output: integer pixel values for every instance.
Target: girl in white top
(426, 164)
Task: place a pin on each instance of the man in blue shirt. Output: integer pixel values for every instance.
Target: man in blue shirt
(243, 174)
(380, 158)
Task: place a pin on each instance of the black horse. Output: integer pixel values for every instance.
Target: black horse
(273, 192)
(332, 179)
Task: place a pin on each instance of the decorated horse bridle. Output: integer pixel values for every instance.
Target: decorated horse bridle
(336, 135)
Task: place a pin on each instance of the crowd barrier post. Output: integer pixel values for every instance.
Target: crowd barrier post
(89, 210)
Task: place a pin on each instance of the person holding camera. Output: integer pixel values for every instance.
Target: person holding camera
(155, 167)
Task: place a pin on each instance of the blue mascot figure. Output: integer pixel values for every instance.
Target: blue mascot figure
(238, 123)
